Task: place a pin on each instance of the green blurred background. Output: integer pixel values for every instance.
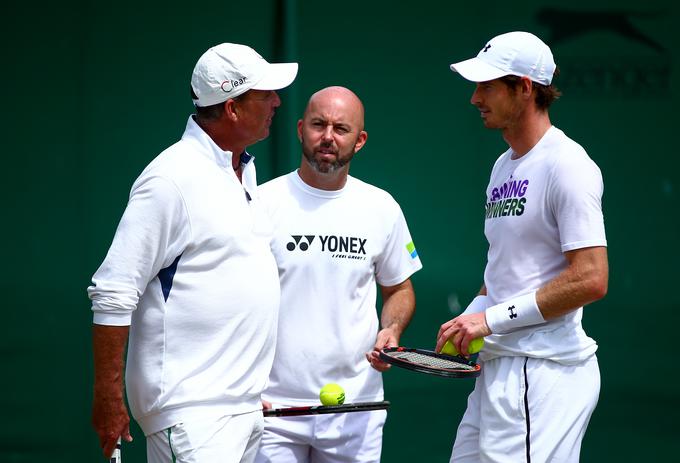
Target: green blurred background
(96, 90)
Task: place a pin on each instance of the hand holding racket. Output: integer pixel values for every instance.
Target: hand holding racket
(112, 424)
(326, 409)
(386, 338)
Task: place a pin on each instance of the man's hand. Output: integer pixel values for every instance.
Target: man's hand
(266, 405)
(461, 330)
(386, 338)
(399, 303)
(110, 418)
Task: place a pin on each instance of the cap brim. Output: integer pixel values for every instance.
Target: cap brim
(476, 70)
(277, 76)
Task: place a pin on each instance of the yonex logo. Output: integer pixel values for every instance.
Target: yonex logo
(486, 48)
(229, 85)
(348, 244)
(339, 246)
(298, 242)
(511, 309)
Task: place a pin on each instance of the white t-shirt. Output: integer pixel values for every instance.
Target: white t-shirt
(191, 272)
(331, 248)
(539, 206)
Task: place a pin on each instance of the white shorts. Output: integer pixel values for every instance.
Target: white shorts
(332, 438)
(527, 410)
(228, 439)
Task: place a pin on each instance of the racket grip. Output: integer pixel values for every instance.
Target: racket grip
(115, 456)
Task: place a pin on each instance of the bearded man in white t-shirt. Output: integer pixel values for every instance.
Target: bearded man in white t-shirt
(335, 237)
(547, 258)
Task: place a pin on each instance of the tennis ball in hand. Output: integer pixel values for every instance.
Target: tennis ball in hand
(332, 394)
(474, 347)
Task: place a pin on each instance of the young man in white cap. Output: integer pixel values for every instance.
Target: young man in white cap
(336, 241)
(547, 258)
(191, 278)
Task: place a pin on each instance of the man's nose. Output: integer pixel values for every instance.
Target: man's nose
(277, 100)
(474, 99)
(328, 132)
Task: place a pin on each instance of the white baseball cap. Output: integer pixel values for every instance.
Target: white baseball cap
(515, 53)
(229, 70)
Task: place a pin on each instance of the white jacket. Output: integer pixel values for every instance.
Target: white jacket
(190, 269)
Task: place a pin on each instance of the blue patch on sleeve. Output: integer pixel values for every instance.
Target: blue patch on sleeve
(166, 276)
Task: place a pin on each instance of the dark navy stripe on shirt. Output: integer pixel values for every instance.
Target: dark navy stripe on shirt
(166, 275)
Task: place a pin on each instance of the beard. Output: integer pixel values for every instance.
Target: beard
(325, 167)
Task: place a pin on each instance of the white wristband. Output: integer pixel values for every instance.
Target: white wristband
(478, 304)
(513, 314)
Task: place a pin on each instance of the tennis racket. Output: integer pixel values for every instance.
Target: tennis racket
(324, 409)
(115, 456)
(427, 361)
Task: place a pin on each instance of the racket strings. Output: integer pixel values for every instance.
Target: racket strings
(430, 361)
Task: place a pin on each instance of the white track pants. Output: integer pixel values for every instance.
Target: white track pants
(527, 410)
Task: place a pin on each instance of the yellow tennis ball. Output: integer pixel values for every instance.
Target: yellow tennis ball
(474, 347)
(332, 394)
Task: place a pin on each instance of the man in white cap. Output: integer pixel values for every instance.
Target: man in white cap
(547, 258)
(191, 279)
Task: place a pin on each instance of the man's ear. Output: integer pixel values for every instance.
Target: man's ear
(299, 130)
(526, 86)
(230, 109)
(361, 140)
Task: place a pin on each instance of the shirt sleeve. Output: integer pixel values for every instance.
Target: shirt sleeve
(576, 200)
(399, 260)
(153, 231)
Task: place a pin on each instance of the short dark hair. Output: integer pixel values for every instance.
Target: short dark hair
(545, 94)
(207, 113)
(210, 113)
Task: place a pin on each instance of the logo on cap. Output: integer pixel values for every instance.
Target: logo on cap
(229, 85)
(486, 48)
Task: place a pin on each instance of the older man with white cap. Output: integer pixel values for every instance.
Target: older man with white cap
(191, 281)
(547, 258)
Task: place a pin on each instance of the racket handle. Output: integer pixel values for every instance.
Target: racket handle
(115, 456)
